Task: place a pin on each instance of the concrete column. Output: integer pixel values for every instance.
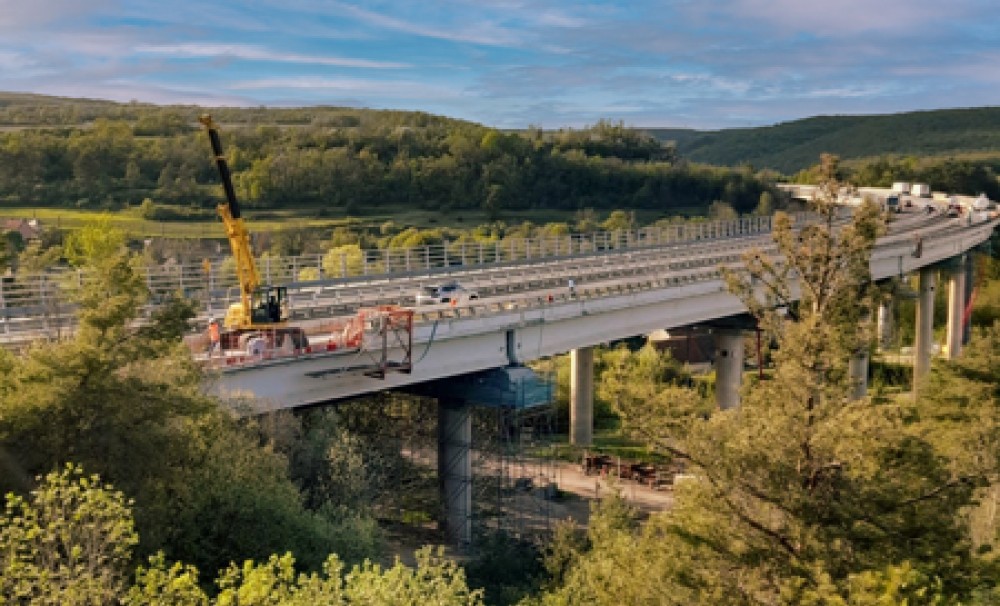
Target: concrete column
(886, 325)
(922, 349)
(581, 396)
(858, 373)
(956, 309)
(970, 283)
(728, 368)
(455, 469)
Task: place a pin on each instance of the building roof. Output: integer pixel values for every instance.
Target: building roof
(28, 228)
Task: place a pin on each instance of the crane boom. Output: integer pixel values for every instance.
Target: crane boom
(220, 162)
(236, 231)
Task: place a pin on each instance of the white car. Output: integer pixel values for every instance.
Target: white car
(444, 293)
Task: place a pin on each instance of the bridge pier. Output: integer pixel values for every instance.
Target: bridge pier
(923, 348)
(956, 307)
(858, 373)
(581, 396)
(455, 468)
(970, 283)
(728, 367)
(885, 324)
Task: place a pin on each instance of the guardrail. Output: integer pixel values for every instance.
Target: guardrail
(41, 306)
(42, 302)
(324, 339)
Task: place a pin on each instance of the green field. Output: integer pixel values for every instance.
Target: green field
(136, 227)
(261, 221)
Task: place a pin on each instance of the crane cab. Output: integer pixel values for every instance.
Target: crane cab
(268, 306)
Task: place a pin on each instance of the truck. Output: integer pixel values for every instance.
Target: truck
(892, 204)
(901, 187)
(262, 313)
(922, 190)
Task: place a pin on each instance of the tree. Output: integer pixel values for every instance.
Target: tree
(765, 207)
(619, 220)
(6, 252)
(346, 260)
(128, 403)
(69, 542)
(801, 488)
(722, 211)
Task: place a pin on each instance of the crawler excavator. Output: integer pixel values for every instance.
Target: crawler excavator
(261, 316)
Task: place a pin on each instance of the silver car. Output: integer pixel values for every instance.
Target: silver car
(445, 293)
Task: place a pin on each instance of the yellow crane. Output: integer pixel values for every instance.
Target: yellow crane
(263, 310)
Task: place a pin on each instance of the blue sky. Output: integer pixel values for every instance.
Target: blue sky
(512, 63)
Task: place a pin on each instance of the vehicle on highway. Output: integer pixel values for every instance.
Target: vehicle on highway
(892, 204)
(445, 293)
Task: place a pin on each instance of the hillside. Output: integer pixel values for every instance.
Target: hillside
(792, 146)
(334, 162)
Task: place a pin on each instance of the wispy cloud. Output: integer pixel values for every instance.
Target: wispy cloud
(15, 14)
(484, 32)
(846, 17)
(10, 60)
(353, 86)
(257, 53)
(516, 62)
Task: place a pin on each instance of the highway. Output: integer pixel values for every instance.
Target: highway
(527, 312)
(43, 311)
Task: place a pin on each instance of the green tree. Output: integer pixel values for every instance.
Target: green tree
(619, 220)
(346, 260)
(801, 488)
(129, 404)
(6, 252)
(721, 211)
(765, 206)
(69, 542)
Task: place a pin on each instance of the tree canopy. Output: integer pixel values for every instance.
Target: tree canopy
(802, 494)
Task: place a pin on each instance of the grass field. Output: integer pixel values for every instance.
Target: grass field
(137, 227)
(261, 220)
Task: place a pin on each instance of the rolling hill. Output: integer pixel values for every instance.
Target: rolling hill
(791, 146)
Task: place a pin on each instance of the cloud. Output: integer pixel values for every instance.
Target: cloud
(15, 61)
(837, 18)
(257, 53)
(19, 15)
(481, 32)
(400, 89)
(515, 62)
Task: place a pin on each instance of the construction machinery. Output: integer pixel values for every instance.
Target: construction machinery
(262, 313)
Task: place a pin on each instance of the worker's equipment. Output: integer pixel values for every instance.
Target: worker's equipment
(262, 311)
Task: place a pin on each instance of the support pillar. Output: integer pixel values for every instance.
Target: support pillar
(923, 347)
(886, 325)
(728, 368)
(581, 396)
(970, 284)
(956, 309)
(455, 469)
(858, 373)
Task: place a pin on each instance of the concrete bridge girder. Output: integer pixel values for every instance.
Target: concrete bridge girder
(462, 345)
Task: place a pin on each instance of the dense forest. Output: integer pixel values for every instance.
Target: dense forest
(793, 146)
(337, 162)
(99, 155)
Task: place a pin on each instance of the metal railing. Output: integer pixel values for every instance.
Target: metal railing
(41, 306)
(43, 301)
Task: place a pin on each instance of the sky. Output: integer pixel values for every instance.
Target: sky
(704, 64)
